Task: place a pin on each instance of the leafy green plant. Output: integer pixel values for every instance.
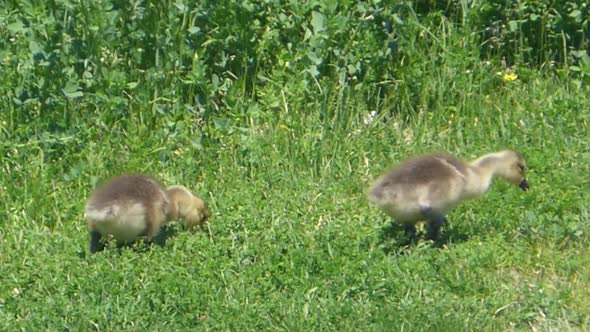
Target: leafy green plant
(280, 114)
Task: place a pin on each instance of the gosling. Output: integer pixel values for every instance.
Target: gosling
(424, 188)
(129, 206)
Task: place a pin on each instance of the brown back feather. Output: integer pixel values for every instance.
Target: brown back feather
(131, 187)
(417, 171)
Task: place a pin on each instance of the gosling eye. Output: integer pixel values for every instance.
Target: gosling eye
(521, 168)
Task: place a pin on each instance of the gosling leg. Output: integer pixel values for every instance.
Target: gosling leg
(410, 230)
(95, 244)
(435, 222)
(434, 228)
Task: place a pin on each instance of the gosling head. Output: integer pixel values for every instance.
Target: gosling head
(186, 206)
(512, 167)
(197, 213)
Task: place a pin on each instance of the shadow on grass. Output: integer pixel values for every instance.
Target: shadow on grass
(394, 240)
(140, 246)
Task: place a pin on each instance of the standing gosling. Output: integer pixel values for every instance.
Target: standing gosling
(426, 187)
(129, 206)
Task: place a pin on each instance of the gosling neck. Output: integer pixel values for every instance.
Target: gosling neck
(172, 210)
(483, 170)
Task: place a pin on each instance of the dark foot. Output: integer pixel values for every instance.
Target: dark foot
(95, 244)
(434, 229)
(435, 222)
(410, 231)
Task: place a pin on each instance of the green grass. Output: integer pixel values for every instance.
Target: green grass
(284, 159)
(293, 243)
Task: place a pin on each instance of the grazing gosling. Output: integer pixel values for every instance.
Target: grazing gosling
(129, 206)
(424, 188)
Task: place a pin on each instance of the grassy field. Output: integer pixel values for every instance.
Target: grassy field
(292, 242)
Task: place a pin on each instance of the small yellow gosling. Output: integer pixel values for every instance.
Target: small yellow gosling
(129, 206)
(424, 188)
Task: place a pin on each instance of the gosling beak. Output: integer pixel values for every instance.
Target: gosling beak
(524, 185)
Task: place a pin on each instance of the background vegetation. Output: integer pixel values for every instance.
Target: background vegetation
(280, 114)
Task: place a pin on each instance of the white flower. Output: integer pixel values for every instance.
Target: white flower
(369, 118)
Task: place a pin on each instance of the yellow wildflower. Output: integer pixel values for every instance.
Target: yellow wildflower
(509, 77)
